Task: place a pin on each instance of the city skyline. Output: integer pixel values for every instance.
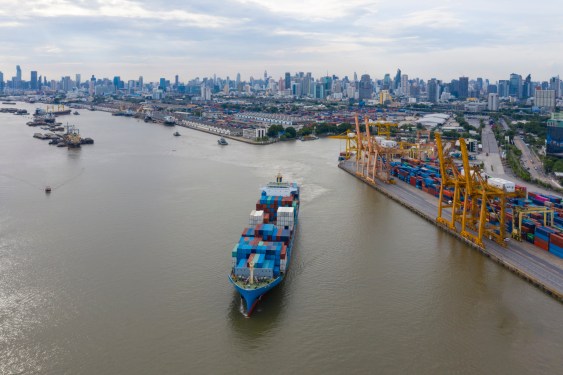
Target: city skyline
(437, 39)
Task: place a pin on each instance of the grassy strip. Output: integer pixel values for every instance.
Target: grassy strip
(513, 158)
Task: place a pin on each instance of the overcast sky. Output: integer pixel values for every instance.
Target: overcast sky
(197, 38)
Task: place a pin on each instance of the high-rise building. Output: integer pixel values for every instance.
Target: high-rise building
(16, 84)
(433, 89)
(116, 81)
(397, 80)
(33, 80)
(492, 104)
(479, 86)
(366, 87)
(66, 83)
(1, 81)
(454, 88)
(287, 80)
(405, 87)
(554, 141)
(555, 84)
(78, 80)
(463, 87)
(162, 84)
(141, 83)
(492, 89)
(527, 87)
(544, 99)
(515, 86)
(386, 82)
(503, 88)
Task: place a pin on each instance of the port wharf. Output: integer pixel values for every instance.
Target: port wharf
(539, 267)
(192, 125)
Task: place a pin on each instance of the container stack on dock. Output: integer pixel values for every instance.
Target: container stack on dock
(426, 176)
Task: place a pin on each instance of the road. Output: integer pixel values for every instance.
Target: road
(523, 258)
(530, 160)
(491, 154)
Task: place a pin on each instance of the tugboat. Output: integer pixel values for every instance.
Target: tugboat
(221, 141)
(176, 134)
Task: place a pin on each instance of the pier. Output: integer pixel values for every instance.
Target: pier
(539, 267)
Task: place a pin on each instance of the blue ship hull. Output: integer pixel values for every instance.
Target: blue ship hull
(252, 296)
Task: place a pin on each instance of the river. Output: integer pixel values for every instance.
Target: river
(123, 268)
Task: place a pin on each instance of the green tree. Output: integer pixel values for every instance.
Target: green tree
(290, 132)
(305, 131)
(274, 130)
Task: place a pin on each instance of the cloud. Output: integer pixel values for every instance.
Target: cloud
(201, 37)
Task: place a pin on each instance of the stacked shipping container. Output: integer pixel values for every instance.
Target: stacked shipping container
(264, 245)
(426, 177)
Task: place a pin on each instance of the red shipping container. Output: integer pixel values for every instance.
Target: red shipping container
(556, 239)
(544, 245)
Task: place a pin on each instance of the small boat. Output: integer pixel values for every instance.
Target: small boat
(222, 141)
(76, 113)
(11, 103)
(169, 121)
(47, 189)
(176, 134)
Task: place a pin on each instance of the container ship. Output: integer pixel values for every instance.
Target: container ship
(261, 257)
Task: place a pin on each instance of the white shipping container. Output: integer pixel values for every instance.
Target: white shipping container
(388, 144)
(500, 183)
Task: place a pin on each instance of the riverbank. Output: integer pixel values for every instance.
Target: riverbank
(234, 138)
(540, 268)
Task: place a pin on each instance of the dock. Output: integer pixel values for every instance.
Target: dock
(540, 268)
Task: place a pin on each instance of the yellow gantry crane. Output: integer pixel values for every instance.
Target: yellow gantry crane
(451, 180)
(519, 212)
(479, 207)
(351, 143)
(375, 155)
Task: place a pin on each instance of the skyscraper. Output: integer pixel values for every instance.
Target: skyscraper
(78, 80)
(405, 87)
(515, 86)
(366, 87)
(433, 90)
(18, 78)
(463, 87)
(527, 87)
(1, 81)
(33, 80)
(397, 80)
(287, 80)
(503, 88)
(386, 82)
(162, 84)
(555, 84)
